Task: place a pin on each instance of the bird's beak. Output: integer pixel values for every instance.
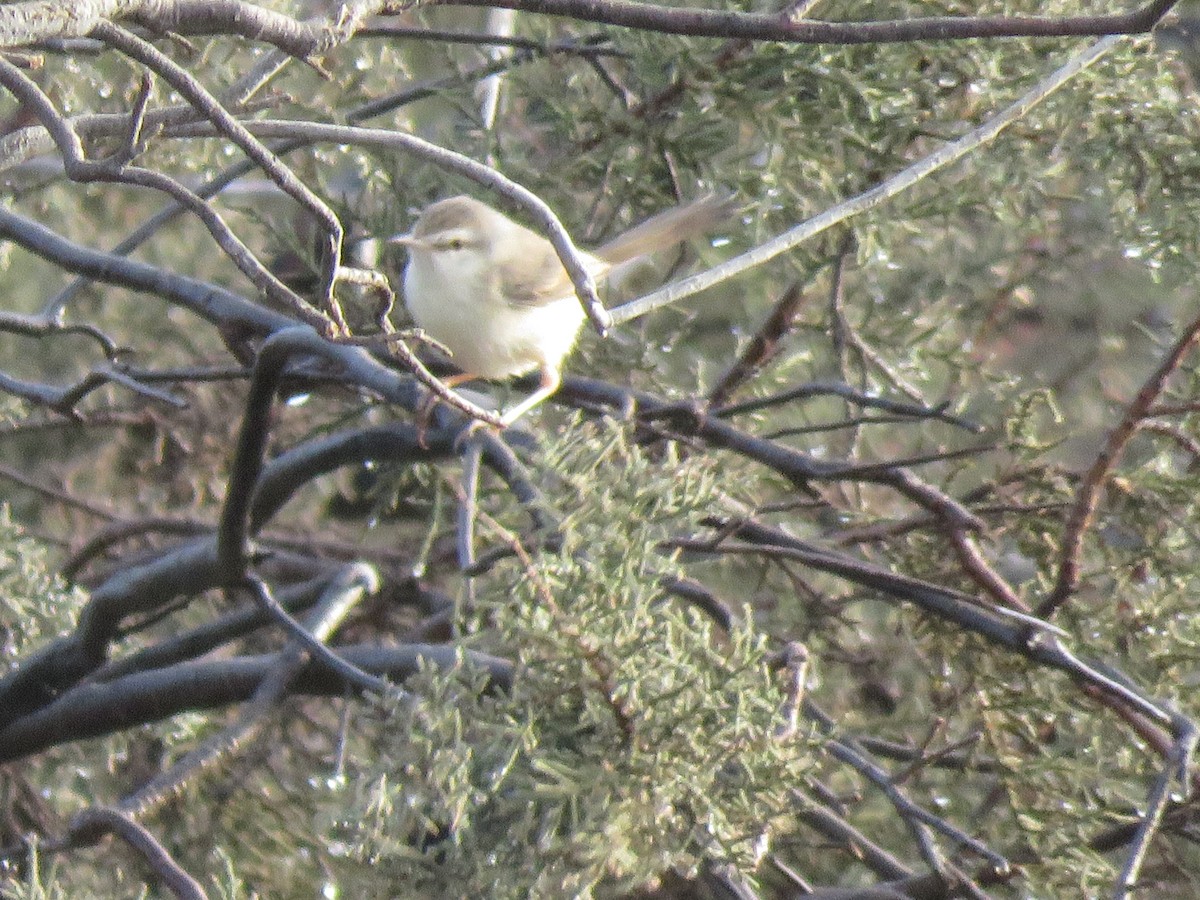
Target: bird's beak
(407, 240)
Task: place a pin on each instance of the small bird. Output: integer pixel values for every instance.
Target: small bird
(496, 295)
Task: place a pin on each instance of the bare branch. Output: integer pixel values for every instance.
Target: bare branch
(788, 29)
(90, 825)
(1088, 496)
(151, 696)
(272, 166)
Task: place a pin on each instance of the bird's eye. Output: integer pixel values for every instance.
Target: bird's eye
(456, 243)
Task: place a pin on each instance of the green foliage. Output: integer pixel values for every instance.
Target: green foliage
(635, 740)
(227, 883)
(37, 885)
(35, 606)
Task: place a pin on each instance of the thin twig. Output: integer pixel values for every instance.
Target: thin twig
(1087, 498)
(91, 824)
(225, 123)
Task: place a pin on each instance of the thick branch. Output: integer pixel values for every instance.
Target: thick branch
(99, 709)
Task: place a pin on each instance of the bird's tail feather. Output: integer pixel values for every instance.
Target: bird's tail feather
(668, 228)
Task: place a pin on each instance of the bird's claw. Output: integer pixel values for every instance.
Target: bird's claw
(467, 435)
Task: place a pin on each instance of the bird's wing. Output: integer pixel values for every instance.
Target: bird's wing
(538, 280)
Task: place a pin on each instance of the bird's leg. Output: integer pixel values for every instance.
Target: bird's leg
(425, 410)
(550, 380)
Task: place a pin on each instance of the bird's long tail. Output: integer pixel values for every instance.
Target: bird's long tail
(668, 228)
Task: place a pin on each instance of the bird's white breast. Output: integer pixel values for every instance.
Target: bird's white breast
(485, 336)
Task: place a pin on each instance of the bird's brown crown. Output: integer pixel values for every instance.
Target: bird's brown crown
(448, 214)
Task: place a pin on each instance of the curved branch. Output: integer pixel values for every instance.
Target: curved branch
(235, 315)
(64, 399)
(92, 824)
(782, 28)
(41, 20)
(1035, 641)
(345, 591)
(1087, 499)
(397, 443)
(98, 709)
(273, 167)
(275, 354)
(795, 465)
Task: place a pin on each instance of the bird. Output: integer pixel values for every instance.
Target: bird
(495, 294)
